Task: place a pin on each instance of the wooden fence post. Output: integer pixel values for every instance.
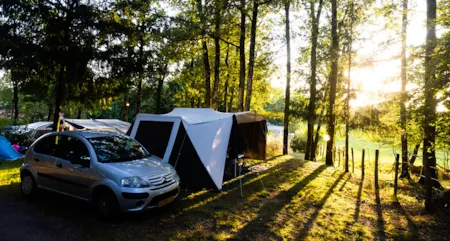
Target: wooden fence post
(397, 157)
(339, 157)
(334, 155)
(353, 163)
(376, 168)
(362, 163)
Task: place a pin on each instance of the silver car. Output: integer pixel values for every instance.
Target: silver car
(113, 171)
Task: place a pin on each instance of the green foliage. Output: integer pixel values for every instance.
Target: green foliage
(298, 142)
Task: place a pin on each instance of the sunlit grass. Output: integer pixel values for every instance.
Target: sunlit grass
(9, 172)
(293, 199)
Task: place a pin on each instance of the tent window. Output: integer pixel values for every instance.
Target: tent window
(154, 136)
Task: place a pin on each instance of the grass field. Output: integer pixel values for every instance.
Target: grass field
(9, 172)
(292, 200)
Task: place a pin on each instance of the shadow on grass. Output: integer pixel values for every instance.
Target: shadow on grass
(343, 184)
(358, 200)
(190, 197)
(412, 227)
(270, 209)
(308, 225)
(273, 158)
(380, 220)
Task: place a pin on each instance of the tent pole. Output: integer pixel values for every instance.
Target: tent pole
(240, 181)
(181, 148)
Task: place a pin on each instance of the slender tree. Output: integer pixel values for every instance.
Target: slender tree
(251, 61)
(315, 18)
(287, 5)
(217, 23)
(227, 80)
(242, 56)
(429, 157)
(347, 99)
(207, 67)
(333, 82)
(404, 140)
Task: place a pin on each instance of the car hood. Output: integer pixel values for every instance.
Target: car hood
(144, 168)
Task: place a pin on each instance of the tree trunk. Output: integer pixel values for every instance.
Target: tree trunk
(139, 96)
(333, 82)
(50, 110)
(347, 100)
(404, 140)
(225, 95)
(233, 84)
(191, 69)
(288, 82)
(414, 155)
(207, 75)
(242, 57)
(251, 62)
(125, 107)
(217, 58)
(80, 111)
(15, 96)
(205, 56)
(315, 141)
(158, 95)
(58, 99)
(313, 83)
(429, 122)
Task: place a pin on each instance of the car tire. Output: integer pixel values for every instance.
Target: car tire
(106, 204)
(27, 185)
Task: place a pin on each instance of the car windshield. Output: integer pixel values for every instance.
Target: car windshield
(117, 149)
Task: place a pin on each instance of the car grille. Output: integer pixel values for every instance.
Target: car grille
(161, 181)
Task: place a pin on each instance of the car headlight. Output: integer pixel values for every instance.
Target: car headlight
(134, 182)
(175, 175)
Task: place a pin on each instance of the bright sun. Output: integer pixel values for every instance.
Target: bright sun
(370, 83)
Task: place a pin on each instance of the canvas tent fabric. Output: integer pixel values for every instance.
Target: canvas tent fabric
(7, 152)
(254, 131)
(195, 141)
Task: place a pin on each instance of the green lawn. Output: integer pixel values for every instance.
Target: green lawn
(9, 172)
(294, 199)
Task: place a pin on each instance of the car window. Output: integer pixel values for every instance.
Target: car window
(46, 146)
(71, 149)
(117, 149)
(76, 150)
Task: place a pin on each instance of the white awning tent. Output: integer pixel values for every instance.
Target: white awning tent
(194, 141)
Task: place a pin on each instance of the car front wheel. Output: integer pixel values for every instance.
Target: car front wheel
(106, 204)
(27, 185)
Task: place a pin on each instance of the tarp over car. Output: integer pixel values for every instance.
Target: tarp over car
(196, 141)
(113, 125)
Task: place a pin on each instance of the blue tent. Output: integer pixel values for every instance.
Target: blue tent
(7, 152)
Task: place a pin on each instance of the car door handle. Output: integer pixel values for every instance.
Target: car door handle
(36, 159)
(59, 165)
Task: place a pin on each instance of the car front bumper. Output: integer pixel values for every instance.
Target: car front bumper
(140, 199)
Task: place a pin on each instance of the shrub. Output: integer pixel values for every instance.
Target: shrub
(298, 143)
(274, 145)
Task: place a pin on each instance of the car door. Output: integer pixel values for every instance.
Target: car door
(73, 165)
(43, 161)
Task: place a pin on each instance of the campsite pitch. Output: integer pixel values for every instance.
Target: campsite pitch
(301, 201)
